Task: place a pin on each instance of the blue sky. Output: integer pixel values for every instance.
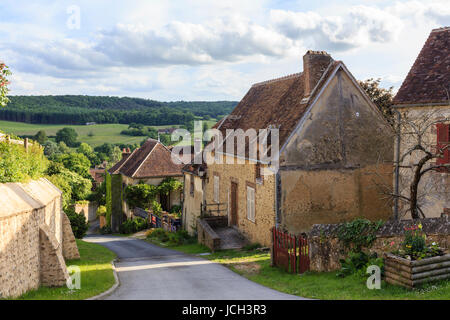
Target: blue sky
(204, 49)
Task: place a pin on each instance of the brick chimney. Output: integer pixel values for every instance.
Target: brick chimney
(125, 152)
(314, 65)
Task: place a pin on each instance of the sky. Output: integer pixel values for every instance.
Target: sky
(204, 49)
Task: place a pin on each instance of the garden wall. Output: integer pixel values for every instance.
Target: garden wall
(33, 232)
(89, 210)
(326, 249)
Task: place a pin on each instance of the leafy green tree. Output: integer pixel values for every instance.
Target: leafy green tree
(18, 165)
(61, 182)
(87, 150)
(51, 149)
(63, 148)
(76, 162)
(41, 137)
(68, 136)
(4, 82)
(115, 155)
(383, 98)
(140, 195)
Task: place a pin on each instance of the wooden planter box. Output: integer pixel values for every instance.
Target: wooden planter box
(409, 274)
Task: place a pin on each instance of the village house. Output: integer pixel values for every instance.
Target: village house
(150, 164)
(194, 195)
(333, 144)
(424, 97)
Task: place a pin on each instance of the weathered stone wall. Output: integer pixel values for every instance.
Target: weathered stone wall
(88, 209)
(326, 250)
(31, 237)
(434, 187)
(331, 196)
(207, 236)
(243, 175)
(331, 167)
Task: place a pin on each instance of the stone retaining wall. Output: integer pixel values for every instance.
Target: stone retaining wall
(33, 232)
(326, 250)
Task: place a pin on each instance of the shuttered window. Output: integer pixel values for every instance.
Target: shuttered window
(443, 140)
(251, 203)
(216, 188)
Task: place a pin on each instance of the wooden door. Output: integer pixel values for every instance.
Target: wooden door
(233, 206)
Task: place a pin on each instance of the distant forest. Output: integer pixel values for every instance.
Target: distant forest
(72, 109)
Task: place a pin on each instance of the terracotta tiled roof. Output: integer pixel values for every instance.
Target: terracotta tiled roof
(152, 159)
(278, 103)
(428, 81)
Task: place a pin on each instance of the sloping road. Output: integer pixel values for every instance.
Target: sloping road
(147, 271)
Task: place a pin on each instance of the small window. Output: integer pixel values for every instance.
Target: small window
(216, 189)
(250, 203)
(258, 175)
(192, 186)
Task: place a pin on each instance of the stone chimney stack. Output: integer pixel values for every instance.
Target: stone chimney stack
(125, 152)
(314, 65)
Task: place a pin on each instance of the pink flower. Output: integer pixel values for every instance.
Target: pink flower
(392, 243)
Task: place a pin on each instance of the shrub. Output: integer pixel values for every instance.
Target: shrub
(172, 238)
(252, 246)
(140, 195)
(105, 230)
(132, 226)
(176, 209)
(101, 211)
(17, 165)
(156, 208)
(77, 222)
(358, 234)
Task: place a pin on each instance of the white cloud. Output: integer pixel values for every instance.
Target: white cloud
(359, 27)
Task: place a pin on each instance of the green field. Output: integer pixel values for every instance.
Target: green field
(101, 132)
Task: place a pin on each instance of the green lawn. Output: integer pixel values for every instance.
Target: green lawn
(255, 265)
(101, 132)
(96, 275)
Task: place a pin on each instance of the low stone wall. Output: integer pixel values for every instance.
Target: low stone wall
(326, 250)
(206, 235)
(34, 236)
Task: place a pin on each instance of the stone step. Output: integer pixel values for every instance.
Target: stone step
(230, 238)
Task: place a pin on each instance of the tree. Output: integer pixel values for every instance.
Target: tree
(4, 82)
(140, 195)
(419, 155)
(51, 149)
(380, 96)
(76, 162)
(41, 137)
(68, 136)
(63, 148)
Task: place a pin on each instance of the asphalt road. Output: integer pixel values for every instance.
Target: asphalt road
(149, 272)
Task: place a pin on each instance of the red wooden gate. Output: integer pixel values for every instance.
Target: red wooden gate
(290, 252)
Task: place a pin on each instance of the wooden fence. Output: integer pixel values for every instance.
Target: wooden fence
(7, 139)
(290, 253)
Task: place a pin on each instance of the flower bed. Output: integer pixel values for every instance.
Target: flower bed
(411, 273)
(415, 262)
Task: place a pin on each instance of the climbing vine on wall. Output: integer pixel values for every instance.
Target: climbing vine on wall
(358, 234)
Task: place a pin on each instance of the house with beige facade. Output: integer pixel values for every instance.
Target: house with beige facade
(331, 138)
(194, 195)
(150, 164)
(423, 102)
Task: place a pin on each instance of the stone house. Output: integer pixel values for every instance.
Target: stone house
(194, 195)
(332, 138)
(151, 164)
(425, 94)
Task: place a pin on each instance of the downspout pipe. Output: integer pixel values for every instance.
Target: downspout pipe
(397, 164)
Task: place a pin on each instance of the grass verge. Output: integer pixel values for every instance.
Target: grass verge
(96, 275)
(255, 265)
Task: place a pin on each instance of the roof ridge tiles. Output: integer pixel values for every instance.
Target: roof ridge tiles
(441, 29)
(289, 76)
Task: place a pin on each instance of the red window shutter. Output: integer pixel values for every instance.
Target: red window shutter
(443, 139)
